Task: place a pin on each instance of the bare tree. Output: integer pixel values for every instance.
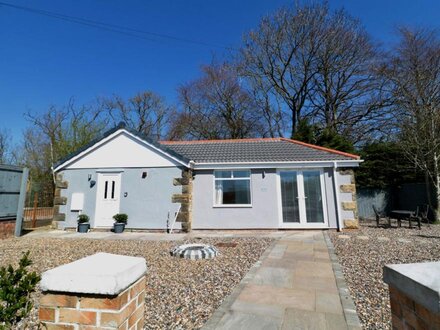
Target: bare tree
(58, 132)
(347, 93)
(282, 52)
(216, 106)
(269, 106)
(414, 72)
(146, 112)
(5, 145)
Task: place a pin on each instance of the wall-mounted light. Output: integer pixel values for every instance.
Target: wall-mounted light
(263, 174)
(92, 183)
(89, 177)
(144, 175)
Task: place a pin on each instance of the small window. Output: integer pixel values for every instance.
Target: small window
(232, 187)
(105, 189)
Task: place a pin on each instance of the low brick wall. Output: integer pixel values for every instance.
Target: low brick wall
(7, 228)
(103, 291)
(414, 295)
(408, 314)
(70, 311)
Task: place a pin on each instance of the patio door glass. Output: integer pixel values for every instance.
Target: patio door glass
(313, 196)
(302, 197)
(289, 196)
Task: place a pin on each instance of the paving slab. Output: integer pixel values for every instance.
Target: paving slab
(328, 303)
(258, 308)
(244, 321)
(277, 277)
(299, 319)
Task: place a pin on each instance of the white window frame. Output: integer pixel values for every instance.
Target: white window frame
(215, 205)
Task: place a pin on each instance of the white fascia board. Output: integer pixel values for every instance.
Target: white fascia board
(256, 165)
(111, 136)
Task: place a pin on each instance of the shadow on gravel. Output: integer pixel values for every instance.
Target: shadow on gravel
(429, 236)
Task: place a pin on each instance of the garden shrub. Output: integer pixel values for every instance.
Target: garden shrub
(16, 285)
(121, 218)
(83, 218)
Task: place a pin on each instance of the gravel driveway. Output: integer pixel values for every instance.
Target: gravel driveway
(180, 293)
(363, 253)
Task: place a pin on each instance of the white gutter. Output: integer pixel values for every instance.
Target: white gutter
(336, 190)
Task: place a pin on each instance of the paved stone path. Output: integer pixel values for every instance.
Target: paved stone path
(293, 286)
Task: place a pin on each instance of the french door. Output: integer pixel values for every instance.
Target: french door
(107, 198)
(302, 198)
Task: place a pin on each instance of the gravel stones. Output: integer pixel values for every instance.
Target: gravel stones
(180, 294)
(362, 263)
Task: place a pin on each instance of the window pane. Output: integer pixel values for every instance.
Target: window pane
(289, 196)
(223, 174)
(219, 192)
(105, 189)
(233, 192)
(113, 189)
(312, 192)
(242, 174)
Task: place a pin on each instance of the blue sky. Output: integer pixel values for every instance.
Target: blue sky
(46, 61)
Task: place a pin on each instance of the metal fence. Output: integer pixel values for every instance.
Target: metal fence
(35, 217)
(407, 197)
(38, 211)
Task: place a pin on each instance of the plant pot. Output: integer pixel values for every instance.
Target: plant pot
(118, 227)
(83, 227)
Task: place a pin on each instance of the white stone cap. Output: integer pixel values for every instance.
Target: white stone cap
(420, 281)
(101, 273)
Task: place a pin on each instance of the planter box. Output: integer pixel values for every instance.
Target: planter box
(83, 227)
(118, 227)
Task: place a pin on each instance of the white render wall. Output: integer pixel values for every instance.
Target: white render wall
(123, 151)
(146, 201)
(263, 214)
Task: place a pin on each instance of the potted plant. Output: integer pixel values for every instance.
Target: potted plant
(120, 222)
(83, 223)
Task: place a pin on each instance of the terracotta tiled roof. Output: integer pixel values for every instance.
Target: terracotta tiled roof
(254, 150)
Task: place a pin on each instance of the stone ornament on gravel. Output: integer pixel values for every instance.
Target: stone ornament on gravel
(194, 251)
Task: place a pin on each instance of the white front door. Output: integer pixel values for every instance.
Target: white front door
(107, 198)
(302, 201)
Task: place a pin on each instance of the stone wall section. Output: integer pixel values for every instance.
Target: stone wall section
(351, 205)
(59, 200)
(72, 311)
(185, 199)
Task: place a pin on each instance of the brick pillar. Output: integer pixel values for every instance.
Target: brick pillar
(103, 291)
(414, 295)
